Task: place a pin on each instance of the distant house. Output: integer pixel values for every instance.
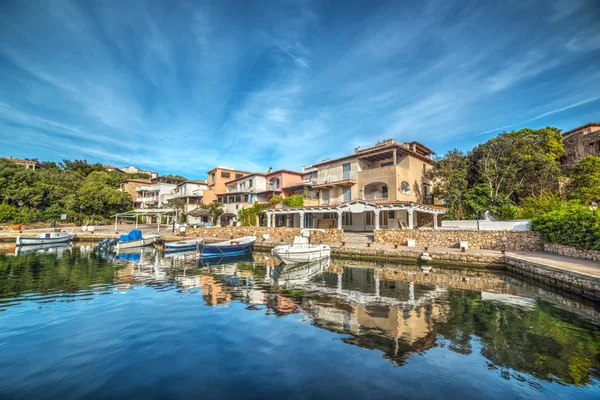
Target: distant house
(111, 168)
(581, 142)
(135, 170)
(33, 164)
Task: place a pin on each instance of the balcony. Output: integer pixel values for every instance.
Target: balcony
(332, 180)
(375, 196)
(274, 187)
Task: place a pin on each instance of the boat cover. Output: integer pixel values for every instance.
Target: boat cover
(135, 234)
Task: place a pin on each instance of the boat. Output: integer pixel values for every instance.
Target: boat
(135, 239)
(301, 250)
(46, 238)
(50, 248)
(286, 274)
(233, 247)
(182, 245)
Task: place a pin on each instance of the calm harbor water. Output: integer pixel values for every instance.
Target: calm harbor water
(74, 324)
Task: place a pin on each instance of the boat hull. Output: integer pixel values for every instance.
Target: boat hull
(218, 250)
(292, 255)
(21, 241)
(145, 241)
(182, 246)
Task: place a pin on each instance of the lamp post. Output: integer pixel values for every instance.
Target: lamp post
(593, 206)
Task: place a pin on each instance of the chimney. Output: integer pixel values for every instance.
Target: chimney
(270, 170)
(356, 150)
(414, 147)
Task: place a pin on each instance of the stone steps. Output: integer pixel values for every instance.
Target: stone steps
(358, 237)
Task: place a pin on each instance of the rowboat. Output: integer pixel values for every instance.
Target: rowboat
(183, 245)
(301, 250)
(233, 247)
(135, 239)
(46, 238)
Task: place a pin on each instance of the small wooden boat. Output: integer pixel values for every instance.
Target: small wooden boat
(182, 245)
(233, 247)
(135, 239)
(46, 238)
(301, 250)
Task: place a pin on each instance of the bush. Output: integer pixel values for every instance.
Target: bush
(294, 201)
(534, 206)
(573, 225)
(7, 212)
(27, 215)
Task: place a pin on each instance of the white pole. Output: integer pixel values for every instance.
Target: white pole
(158, 224)
(115, 223)
(136, 220)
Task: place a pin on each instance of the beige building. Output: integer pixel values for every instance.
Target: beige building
(378, 187)
(218, 178)
(33, 164)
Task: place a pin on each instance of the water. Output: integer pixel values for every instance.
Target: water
(76, 325)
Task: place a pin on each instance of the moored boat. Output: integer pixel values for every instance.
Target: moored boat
(301, 250)
(233, 247)
(182, 245)
(135, 239)
(46, 238)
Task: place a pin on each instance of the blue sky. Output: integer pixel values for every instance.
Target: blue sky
(182, 86)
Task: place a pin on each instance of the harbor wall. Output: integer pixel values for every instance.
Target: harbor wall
(279, 233)
(488, 240)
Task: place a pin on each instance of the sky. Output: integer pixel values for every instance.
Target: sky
(183, 86)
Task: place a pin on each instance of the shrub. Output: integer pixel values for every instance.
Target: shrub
(275, 200)
(7, 212)
(534, 206)
(573, 225)
(294, 201)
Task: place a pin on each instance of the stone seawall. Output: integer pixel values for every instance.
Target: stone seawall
(488, 240)
(285, 234)
(581, 284)
(568, 251)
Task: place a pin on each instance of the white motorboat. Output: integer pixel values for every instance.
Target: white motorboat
(135, 239)
(301, 250)
(46, 238)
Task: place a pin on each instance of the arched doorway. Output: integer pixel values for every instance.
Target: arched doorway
(228, 219)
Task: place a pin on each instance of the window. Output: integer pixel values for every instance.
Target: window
(369, 218)
(384, 190)
(225, 174)
(391, 214)
(326, 196)
(346, 171)
(424, 168)
(238, 176)
(280, 220)
(347, 218)
(214, 177)
(347, 194)
(405, 187)
(250, 183)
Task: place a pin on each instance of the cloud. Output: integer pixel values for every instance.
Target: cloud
(181, 87)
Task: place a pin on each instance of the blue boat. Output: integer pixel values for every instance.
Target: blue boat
(233, 247)
(182, 245)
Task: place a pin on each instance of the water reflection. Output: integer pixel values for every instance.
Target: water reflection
(524, 331)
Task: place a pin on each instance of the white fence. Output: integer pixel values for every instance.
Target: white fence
(485, 225)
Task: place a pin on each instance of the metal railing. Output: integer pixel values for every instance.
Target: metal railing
(428, 199)
(332, 178)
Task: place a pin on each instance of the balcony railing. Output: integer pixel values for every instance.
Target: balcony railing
(333, 178)
(273, 187)
(375, 196)
(428, 199)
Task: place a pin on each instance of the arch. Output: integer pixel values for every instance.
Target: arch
(405, 187)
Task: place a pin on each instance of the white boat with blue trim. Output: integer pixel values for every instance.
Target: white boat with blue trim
(46, 238)
(301, 250)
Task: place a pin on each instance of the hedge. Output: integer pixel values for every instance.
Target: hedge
(574, 225)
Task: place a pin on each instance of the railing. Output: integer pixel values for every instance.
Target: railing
(320, 180)
(273, 187)
(375, 196)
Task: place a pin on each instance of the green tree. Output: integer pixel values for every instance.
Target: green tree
(247, 216)
(533, 206)
(294, 201)
(7, 212)
(97, 197)
(179, 205)
(450, 175)
(215, 210)
(585, 181)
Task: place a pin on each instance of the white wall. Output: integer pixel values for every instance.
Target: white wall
(516, 225)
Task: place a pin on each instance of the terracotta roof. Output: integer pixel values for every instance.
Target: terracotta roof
(589, 124)
(247, 176)
(198, 212)
(366, 152)
(230, 170)
(286, 170)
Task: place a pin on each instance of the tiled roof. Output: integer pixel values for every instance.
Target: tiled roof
(365, 152)
(589, 124)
